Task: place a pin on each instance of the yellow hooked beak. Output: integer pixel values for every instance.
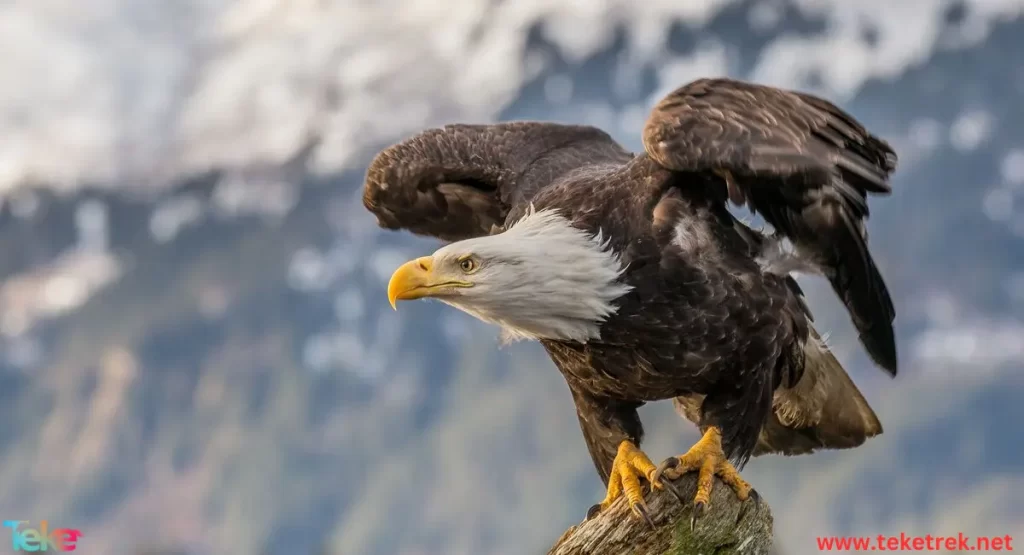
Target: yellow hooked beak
(416, 279)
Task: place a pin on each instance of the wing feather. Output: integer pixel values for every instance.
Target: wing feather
(801, 162)
(461, 181)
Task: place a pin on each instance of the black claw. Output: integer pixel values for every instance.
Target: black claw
(698, 511)
(670, 462)
(674, 490)
(593, 511)
(642, 511)
(753, 499)
(742, 513)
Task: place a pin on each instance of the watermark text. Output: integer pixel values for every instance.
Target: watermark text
(903, 542)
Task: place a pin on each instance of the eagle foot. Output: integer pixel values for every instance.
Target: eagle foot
(707, 458)
(629, 466)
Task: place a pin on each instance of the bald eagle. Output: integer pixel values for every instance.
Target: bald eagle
(640, 283)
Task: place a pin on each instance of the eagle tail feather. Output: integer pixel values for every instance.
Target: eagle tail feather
(824, 410)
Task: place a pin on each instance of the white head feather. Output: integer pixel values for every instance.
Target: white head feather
(543, 278)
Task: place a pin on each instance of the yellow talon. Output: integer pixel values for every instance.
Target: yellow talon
(708, 459)
(629, 466)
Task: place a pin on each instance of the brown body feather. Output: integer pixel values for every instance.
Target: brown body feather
(824, 410)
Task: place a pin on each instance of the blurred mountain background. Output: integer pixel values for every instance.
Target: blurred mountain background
(196, 352)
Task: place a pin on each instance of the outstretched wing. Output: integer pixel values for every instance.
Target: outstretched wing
(461, 181)
(802, 163)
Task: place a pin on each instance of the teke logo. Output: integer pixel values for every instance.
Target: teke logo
(30, 539)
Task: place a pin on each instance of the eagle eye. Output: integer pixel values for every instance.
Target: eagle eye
(468, 265)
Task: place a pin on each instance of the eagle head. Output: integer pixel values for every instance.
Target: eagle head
(542, 278)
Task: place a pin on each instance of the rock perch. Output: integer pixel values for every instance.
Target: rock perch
(729, 526)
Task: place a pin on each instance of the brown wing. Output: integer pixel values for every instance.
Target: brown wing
(803, 164)
(461, 181)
